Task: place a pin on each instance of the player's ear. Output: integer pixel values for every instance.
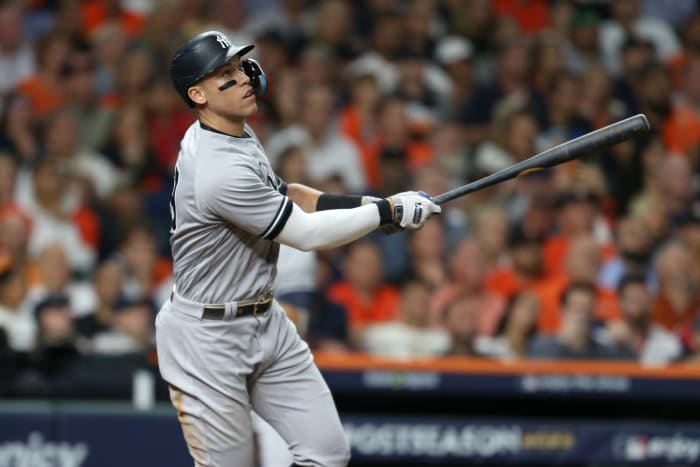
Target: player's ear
(197, 95)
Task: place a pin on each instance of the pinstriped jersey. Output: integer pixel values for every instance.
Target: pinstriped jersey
(226, 208)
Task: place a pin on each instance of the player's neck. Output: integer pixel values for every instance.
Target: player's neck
(224, 125)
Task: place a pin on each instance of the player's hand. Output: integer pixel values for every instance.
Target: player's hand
(412, 208)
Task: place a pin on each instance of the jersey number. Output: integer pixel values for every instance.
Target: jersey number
(176, 177)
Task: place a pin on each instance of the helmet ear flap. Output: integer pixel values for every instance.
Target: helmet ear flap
(254, 71)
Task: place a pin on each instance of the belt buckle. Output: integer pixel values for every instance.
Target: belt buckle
(260, 301)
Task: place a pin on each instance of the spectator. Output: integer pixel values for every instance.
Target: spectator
(426, 248)
(635, 331)
(57, 350)
(167, 122)
(467, 270)
(596, 104)
(363, 292)
(513, 137)
(110, 44)
(358, 118)
(582, 264)
(451, 152)
(575, 338)
(130, 149)
(673, 181)
(45, 88)
(455, 55)
(651, 210)
(50, 275)
(108, 282)
(62, 143)
(637, 54)
(633, 256)
(328, 153)
(581, 50)
(547, 61)
(408, 336)
(18, 129)
(424, 88)
(55, 219)
(562, 121)
(318, 66)
(15, 318)
(516, 330)
(394, 155)
(146, 273)
(461, 322)
(334, 29)
(578, 213)
(92, 117)
(677, 302)
(626, 18)
(491, 228)
(511, 75)
(379, 58)
(16, 54)
(134, 76)
(524, 269)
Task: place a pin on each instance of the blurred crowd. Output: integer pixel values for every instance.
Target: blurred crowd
(594, 259)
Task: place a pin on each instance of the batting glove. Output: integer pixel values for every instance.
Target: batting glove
(411, 209)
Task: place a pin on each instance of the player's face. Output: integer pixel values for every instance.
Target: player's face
(235, 101)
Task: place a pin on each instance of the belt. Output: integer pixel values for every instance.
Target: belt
(255, 308)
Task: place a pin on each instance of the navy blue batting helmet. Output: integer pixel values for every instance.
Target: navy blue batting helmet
(200, 56)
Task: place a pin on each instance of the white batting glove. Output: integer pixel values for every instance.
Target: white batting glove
(412, 208)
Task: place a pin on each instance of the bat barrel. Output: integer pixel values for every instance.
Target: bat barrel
(606, 136)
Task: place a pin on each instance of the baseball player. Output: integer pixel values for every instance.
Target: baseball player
(225, 347)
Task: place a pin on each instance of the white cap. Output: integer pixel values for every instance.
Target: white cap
(453, 49)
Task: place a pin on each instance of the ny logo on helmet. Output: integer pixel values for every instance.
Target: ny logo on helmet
(225, 44)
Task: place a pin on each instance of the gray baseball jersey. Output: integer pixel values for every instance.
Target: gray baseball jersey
(226, 209)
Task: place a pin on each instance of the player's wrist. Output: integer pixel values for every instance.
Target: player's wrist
(386, 211)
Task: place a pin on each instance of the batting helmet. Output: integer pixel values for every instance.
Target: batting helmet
(200, 56)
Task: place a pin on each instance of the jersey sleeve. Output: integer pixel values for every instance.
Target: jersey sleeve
(246, 195)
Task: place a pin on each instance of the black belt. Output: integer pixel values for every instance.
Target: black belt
(258, 307)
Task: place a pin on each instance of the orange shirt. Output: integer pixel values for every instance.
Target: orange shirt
(549, 294)
(681, 131)
(505, 283)
(383, 305)
(418, 155)
(43, 97)
(662, 313)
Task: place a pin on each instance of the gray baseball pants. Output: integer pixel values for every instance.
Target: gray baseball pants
(218, 370)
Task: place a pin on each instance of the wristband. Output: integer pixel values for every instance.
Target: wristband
(327, 201)
(385, 214)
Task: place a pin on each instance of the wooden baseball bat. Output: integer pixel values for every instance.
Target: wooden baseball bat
(602, 137)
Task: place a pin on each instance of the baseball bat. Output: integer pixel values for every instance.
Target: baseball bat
(564, 152)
